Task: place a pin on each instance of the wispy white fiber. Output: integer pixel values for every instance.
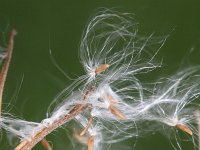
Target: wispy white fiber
(114, 56)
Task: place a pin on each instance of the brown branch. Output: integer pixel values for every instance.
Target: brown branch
(3, 75)
(4, 70)
(28, 144)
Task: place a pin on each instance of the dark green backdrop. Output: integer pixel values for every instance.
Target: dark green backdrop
(58, 25)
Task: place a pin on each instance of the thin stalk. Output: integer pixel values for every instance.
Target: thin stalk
(28, 144)
(4, 70)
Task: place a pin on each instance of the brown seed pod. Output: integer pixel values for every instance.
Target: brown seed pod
(117, 112)
(46, 144)
(101, 68)
(184, 128)
(110, 99)
(80, 139)
(87, 126)
(91, 143)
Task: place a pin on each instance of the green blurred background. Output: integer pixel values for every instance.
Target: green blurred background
(33, 81)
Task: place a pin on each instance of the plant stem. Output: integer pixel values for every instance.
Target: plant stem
(28, 144)
(4, 70)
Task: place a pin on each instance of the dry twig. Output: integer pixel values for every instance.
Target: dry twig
(6, 64)
(4, 72)
(28, 144)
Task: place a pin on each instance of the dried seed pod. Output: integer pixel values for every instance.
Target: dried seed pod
(87, 126)
(91, 143)
(110, 99)
(117, 112)
(101, 68)
(184, 128)
(46, 144)
(81, 139)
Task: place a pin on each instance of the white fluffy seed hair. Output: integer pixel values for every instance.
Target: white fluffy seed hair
(19, 128)
(173, 103)
(119, 102)
(112, 38)
(176, 93)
